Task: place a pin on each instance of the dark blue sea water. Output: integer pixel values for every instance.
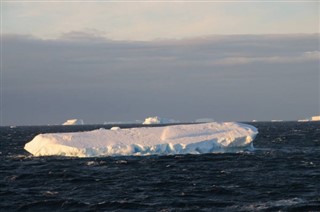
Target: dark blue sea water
(282, 174)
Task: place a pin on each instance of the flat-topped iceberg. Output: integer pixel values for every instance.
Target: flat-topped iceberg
(73, 122)
(177, 139)
(158, 120)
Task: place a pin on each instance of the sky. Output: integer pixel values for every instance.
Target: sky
(124, 61)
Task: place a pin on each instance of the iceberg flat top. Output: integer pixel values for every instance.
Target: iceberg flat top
(177, 139)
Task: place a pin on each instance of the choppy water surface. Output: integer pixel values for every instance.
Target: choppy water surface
(283, 173)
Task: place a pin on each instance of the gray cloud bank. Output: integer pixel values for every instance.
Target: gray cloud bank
(238, 77)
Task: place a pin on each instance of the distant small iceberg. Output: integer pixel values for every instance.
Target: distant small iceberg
(74, 122)
(315, 118)
(115, 128)
(312, 118)
(158, 120)
(303, 120)
(276, 120)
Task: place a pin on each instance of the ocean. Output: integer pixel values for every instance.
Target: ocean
(281, 174)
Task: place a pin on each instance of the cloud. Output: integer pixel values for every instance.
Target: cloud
(83, 75)
(88, 34)
(303, 57)
(151, 20)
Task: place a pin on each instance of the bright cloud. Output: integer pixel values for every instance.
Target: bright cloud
(152, 20)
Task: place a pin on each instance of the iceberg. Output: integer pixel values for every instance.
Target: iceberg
(276, 120)
(73, 122)
(158, 120)
(312, 118)
(175, 139)
(303, 120)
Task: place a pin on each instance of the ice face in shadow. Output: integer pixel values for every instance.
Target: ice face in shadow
(177, 139)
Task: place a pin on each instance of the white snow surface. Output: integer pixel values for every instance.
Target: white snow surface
(74, 122)
(158, 120)
(177, 139)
